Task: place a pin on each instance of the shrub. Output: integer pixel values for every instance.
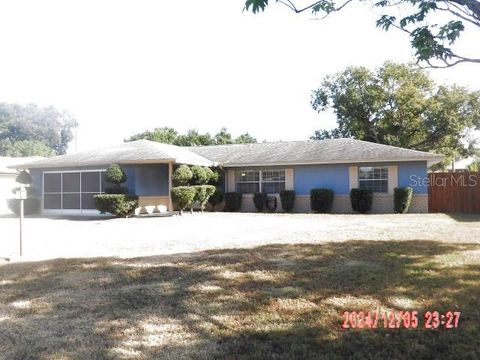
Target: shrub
(216, 198)
(182, 176)
(233, 201)
(361, 200)
(24, 178)
(216, 177)
(210, 176)
(402, 198)
(202, 194)
(321, 200)
(260, 201)
(115, 175)
(116, 189)
(287, 198)
(183, 196)
(116, 201)
(30, 206)
(120, 205)
(200, 175)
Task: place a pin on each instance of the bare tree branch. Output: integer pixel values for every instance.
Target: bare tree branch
(461, 16)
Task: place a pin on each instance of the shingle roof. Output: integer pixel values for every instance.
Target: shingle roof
(135, 152)
(310, 152)
(261, 154)
(8, 165)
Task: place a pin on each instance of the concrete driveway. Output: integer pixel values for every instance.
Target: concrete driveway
(46, 238)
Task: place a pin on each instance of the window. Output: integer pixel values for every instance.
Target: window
(252, 181)
(247, 181)
(273, 181)
(373, 178)
(72, 190)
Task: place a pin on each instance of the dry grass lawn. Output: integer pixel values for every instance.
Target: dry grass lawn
(278, 301)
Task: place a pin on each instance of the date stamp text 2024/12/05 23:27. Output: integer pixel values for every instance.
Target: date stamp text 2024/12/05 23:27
(400, 319)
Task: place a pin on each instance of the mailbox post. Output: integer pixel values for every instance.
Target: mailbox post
(21, 195)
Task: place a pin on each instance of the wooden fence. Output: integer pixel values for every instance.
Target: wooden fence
(454, 192)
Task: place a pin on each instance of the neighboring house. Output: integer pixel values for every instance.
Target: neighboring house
(8, 176)
(67, 183)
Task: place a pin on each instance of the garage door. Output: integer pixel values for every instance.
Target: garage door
(72, 190)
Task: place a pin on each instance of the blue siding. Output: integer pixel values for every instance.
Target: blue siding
(151, 180)
(413, 174)
(37, 183)
(337, 178)
(308, 177)
(130, 172)
(142, 180)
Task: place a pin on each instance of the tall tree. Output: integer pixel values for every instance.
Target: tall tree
(400, 105)
(223, 137)
(245, 139)
(164, 135)
(192, 137)
(431, 36)
(25, 148)
(31, 130)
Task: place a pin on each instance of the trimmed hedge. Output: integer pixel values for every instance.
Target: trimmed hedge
(260, 201)
(120, 205)
(287, 198)
(116, 189)
(202, 194)
(115, 175)
(183, 196)
(182, 176)
(24, 178)
(216, 198)
(233, 201)
(361, 200)
(402, 198)
(200, 175)
(217, 177)
(321, 200)
(30, 206)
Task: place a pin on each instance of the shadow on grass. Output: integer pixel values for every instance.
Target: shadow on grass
(277, 301)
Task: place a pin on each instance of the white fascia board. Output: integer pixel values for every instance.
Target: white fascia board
(332, 162)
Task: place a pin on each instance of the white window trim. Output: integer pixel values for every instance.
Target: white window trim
(70, 211)
(387, 179)
(260, 179)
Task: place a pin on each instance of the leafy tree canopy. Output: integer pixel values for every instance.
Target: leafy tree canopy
(192, 137)
(431, 36)
(115, 174)
(474, 166)
(400, 105)
(245, 139)
(30, 130)
(21, 148)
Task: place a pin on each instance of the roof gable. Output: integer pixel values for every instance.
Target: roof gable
(135, 152)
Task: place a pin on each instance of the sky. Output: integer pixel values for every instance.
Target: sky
(122, 67)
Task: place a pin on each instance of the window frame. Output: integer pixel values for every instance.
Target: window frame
(260, 180)
(61, 192)
(383, 170)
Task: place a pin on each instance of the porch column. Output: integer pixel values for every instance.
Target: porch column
(170, 170)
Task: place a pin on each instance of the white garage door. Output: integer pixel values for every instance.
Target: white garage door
(72, 191)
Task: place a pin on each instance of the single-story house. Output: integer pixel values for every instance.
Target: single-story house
(8, 175)
(66, 184)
